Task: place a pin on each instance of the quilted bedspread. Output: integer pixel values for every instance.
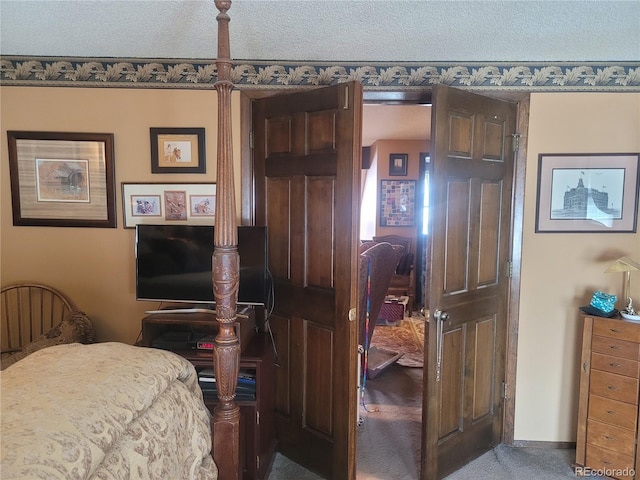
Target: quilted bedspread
(103, 411)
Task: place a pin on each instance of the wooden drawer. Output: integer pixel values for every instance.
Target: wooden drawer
(619, 365)
(611, 464)
(616, 328)
(611, 437)
(613, 412)
(617, 387)
(615, 347)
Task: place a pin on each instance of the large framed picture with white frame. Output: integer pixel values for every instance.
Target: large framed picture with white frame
(168, 203)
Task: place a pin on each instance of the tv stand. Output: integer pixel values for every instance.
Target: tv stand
(181, 310)
(243, 312)
(257, 415)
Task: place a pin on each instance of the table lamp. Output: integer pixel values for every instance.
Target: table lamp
(626, 266)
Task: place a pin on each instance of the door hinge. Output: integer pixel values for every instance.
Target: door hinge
(257, 462)
(503, 393)
(257, 418)
(251, 139)
(346, 98)
(509, 271)
(516, 141)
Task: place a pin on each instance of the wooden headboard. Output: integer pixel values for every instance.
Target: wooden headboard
(226, 270)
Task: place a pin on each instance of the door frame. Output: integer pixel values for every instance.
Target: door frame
(408, 97)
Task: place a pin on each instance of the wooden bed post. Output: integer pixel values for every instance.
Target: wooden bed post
(226, 270)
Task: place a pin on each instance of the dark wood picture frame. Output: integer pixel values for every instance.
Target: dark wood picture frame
(588, 193)
(178, 150)
(62, 179)
(398, 164)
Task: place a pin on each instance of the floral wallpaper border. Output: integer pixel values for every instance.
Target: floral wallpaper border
(201, 74)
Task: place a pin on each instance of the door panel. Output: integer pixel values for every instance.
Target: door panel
(488, 248)
(451, 392)
(472, 161)
(456, 247)
(318, 397)
(307, 178)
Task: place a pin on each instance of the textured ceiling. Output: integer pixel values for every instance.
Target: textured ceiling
(324, 30)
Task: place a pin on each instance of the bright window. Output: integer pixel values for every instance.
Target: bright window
(425, 205)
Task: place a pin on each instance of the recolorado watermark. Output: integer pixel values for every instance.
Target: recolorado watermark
(604, 472)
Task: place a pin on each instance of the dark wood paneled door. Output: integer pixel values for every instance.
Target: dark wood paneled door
(307, 177)
(471, 184)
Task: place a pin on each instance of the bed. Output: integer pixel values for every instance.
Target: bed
(104, 411)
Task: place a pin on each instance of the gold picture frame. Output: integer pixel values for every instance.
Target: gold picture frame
(61, 179)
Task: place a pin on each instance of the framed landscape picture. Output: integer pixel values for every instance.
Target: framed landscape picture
(62, 179)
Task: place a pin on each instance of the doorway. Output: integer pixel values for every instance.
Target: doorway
(391, 403)
(514, 280)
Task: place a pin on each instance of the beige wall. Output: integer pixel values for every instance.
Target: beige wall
(379, 170)
(95, 267)
(560, 272)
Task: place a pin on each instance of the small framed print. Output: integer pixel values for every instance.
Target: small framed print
(178, 150)
(175, 202)
(146, 206)
(203, 205)
(398, 163)
(62, 179)
(167, 203)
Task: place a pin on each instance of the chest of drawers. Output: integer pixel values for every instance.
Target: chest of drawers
(607, 436)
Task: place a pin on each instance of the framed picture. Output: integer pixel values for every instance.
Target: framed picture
(398, 164)
(587, 192)
(397, 203)
(62, 179)
(166, 203)
(177, 150)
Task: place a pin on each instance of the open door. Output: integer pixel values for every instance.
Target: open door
(307, 178)
(471, 184)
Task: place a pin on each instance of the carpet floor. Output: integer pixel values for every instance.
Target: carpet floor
(388, 441)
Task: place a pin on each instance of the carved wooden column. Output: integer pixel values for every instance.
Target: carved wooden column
(226, 270)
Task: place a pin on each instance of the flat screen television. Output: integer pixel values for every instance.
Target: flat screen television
(174, 264)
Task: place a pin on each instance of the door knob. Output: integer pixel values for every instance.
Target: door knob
(440, 315)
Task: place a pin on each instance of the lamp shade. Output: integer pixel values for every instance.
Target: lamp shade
(623, 264)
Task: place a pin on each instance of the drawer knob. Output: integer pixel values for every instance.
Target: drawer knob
(612, 387)
(611, 412)
(607, 437)
(614, 330)
(615, 347)
(615, 365)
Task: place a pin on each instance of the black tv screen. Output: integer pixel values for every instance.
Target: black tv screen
(174, 264)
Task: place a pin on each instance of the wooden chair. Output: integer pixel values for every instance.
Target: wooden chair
(29, 310)
(377, 265)
(403, 282)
